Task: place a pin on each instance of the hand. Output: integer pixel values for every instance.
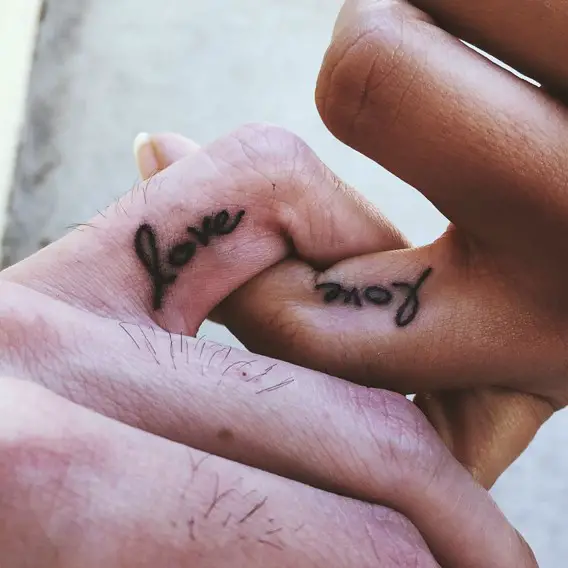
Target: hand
(486, 428)
(86, 319)
(488, 149)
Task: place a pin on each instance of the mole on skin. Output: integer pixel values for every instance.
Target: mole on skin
(147, 250)
(225, 435)
(379, 296)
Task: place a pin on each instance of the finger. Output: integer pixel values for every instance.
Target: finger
(159, 151)
(220, 216)
(196, 509)
(202, 508)
(399, 338)
(527, 35)
(393, 87)
(485, 429)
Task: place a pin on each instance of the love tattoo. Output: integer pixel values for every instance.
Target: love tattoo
(379, 296)
(164, 272)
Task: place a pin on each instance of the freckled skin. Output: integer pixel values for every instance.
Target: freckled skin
(225, 435)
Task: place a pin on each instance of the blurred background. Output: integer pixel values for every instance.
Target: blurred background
(80, 78)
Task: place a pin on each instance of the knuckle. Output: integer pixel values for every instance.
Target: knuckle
(281, 157)
(405, 440)
(23, 407)
(29, 418)
(270, 150)
(401, 544)
(42, 473)
(367, 67)
(27, 339)
(39, 448)
(291, 178)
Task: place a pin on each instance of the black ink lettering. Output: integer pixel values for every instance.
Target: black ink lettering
(378, 295)
(407, 312)
(182, 254)
(219, 226)
(352, 296)
(204, 235)
(333, 291)
(221, 219)
(146, 247)
(220, 223)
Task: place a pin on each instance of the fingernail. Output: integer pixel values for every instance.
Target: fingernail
(145, 155)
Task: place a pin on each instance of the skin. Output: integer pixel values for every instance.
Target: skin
(391, 71)
(487, 353)
(124, 444)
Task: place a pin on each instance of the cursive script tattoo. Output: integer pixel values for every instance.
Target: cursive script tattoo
(146, 246)
(407, 312)
(164, 274)
(380, 296)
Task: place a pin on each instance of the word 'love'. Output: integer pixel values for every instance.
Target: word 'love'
(379, 296)
(147, 250)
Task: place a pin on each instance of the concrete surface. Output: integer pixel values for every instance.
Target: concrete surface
(107, 70)
(18, 25)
